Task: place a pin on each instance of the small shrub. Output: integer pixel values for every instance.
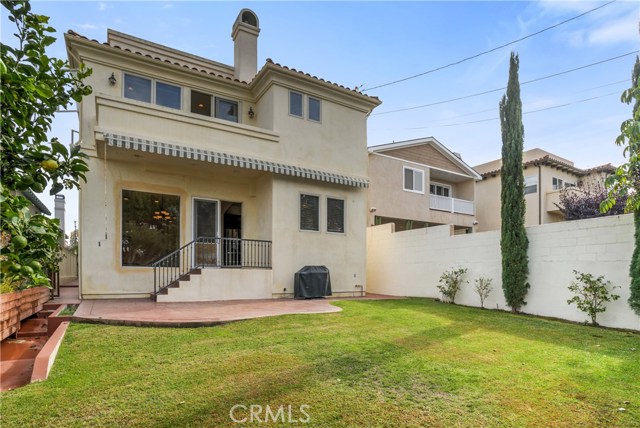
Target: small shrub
(591, 294)
(450, 283)
(483, 288)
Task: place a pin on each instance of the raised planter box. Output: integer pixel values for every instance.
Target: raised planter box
(16, 306)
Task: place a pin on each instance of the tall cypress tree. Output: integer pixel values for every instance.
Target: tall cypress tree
(514, 241)
(634, 269)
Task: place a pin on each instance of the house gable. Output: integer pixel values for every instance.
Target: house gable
(425, 154)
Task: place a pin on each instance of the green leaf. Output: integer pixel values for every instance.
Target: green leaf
(44, 90)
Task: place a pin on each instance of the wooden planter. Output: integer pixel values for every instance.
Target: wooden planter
(16, 306)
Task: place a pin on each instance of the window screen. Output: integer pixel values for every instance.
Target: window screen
(530, 184)
(314, 109)
(413, 180)
(295, 104)
(227, 110)
(309, 212)
(335, 215)
(168, 95)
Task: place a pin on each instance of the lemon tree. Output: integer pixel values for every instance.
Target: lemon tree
(33, 87)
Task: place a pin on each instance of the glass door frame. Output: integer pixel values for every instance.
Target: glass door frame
(194, 229)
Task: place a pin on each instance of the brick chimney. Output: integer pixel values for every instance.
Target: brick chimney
(245, 45)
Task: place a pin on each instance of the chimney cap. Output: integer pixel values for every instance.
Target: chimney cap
(248, 21)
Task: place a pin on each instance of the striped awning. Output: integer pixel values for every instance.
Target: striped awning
(180, 151)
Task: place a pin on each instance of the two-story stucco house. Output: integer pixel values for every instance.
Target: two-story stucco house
(545, 176)
(247, 175)
(420, 183)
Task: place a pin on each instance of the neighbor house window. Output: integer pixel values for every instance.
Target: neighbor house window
(226, 110)
(295, 104)
(413, 180)
(335, 215)
(168, 95)
(137, 88)
(150, 227)
(440, 189)
(309, 212)
(314, 109)
(530, 184)
(200, 103)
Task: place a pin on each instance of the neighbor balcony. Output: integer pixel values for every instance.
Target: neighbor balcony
(452, 205)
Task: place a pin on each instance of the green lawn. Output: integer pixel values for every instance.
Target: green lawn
(392, 363)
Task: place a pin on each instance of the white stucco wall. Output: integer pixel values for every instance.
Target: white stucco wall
(410, 264)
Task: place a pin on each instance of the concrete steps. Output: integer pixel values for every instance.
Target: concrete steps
(33, 327)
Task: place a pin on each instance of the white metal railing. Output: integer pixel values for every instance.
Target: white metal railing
(452, 205)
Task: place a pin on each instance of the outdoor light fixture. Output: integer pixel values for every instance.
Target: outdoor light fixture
(112, 80)
(251, 113)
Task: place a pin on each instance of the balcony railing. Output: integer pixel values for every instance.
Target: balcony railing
(210, 252)
(452, 205)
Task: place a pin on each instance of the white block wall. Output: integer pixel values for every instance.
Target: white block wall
(410, 264)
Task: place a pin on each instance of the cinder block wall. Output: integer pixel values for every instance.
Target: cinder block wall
(410, 264)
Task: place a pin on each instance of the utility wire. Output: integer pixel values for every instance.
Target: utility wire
(493, 108)
(503, 88)
(490, 50)
(526, 112)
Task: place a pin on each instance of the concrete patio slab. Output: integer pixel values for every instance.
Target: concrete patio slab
(143, 312)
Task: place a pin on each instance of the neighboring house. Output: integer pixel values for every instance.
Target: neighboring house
(37, 207)
(420, 183)
(545, 175)
(251, 174)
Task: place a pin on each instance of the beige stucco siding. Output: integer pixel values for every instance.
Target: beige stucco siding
(427, 155)
(342, 253)
(387, 194)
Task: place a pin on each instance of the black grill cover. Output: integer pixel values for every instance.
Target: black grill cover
(312, 281)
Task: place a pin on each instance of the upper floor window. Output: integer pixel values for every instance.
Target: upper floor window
(440, 189)
(149, 90)
(413, 180)
(559, 184)
(137, 88)
(226, 110)
(530, 184)
(168, 95)
(295, 104)
(202, 103)
(314, 109)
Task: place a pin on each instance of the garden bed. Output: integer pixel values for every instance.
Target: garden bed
(19, 305)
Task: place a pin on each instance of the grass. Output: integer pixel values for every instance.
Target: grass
(68, 310)
(395, 363)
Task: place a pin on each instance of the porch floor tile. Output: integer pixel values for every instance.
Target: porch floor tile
(144, 312)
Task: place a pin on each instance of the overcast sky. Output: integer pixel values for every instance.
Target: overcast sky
(367, 44)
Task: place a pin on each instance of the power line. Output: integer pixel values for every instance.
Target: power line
(490, 50)
(503, 88)
(494, 108)
(527, 112)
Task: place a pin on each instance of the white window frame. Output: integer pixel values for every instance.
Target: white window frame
(557, 183)
(153, 90)
(344, 214)
(532, 180)
(301, 104)
(444, 186)
(309, 98)
(320, 219)
(404, 184)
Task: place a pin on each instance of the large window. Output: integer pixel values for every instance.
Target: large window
(295, 104)
(559, 184)
(335, 215)
(530, 184)
(309, 212)
(150, 227)
(440, 189)
(413, 180)
(149, 90)
(201, 103)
